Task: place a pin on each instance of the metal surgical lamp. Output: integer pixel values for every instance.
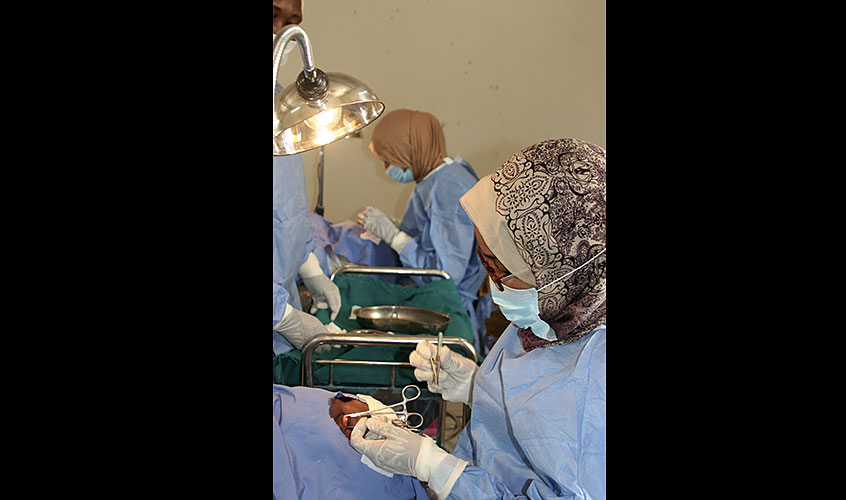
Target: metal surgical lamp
(319, 108)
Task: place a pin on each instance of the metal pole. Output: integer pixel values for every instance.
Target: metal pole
(319, 208)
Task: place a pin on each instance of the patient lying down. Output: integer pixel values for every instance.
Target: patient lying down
(342, 405)
(313, 460)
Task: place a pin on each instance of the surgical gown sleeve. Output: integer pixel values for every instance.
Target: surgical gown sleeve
(280, 302)
(292, 231)
(442, 233)
(537, 429)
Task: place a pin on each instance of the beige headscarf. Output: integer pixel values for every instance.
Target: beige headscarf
(410, 139)
(542, 213)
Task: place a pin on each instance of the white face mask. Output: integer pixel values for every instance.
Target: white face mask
(521, 306)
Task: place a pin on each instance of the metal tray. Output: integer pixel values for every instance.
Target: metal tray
(367, 332)
(402, 319)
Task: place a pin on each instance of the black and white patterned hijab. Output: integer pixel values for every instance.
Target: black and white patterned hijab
(552, 198)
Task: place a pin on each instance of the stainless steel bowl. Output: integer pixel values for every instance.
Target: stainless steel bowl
(402, 319)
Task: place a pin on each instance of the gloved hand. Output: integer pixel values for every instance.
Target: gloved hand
(300, 327)
(360, 219)
(455, 377)
(408, 453)
(323, 290)
(379, 224)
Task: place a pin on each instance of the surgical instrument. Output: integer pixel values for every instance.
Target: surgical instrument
(435, 361)
(402, 415)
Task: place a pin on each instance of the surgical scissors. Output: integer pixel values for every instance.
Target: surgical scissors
(402, 415)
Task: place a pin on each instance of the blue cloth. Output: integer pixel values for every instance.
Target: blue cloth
(442, 233)
(537, 428)
(312, 459)
(343, 238)
(483, 310)
(292, 238)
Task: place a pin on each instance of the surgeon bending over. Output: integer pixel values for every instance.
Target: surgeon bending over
(538, 422)
(293, 245)
(435, 233)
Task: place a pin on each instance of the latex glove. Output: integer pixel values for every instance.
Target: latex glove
(300, 327)
(379, 224)
(408, 453)
(375, 404)
(323, 291)
(455, 377)
(360, 219)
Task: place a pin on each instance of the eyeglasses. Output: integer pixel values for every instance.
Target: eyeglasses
(497, 280)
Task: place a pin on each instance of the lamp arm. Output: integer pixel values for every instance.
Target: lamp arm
(293, 31)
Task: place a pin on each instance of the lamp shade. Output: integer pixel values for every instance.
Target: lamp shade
(301, 124)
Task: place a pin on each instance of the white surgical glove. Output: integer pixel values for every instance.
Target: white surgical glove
(323, 290)
(379, 224)
(455, 377)
(408, 453)
(374, 221)
(360, 219)
(299, 327)
(375, 404)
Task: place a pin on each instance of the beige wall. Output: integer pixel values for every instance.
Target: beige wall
(499, 75)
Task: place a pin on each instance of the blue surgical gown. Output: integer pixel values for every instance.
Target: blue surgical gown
(312, 459)
(292, 238)
(537, 428)
(443, 236)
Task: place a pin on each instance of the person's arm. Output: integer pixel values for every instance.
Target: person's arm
(475, 482)
(400, 451)
(452, 247)
(292, 229)
(403, 452)
(280, 302)
(324, 291)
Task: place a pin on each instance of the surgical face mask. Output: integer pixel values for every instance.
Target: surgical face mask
(289, 47)
(521, 306)
(398, 174)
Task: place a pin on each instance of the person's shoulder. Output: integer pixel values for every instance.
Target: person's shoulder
(596, 338)
(595, 347)
(454, 178)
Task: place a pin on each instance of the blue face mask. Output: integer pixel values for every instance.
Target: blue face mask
(521, 306)
(398, 174)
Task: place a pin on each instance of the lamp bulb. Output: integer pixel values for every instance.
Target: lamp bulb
(325, 120)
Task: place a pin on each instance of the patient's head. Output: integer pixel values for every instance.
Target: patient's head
(342, 405)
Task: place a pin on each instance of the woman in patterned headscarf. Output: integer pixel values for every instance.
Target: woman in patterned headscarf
(538, 422)
(549, 220)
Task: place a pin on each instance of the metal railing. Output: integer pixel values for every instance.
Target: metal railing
(401, 271)
(380, 339)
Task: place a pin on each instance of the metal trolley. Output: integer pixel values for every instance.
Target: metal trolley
(377, 338)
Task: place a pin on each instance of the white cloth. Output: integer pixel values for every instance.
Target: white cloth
(374, 404)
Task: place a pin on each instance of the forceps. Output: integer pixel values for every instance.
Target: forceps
(435, 361)
(402, 414)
